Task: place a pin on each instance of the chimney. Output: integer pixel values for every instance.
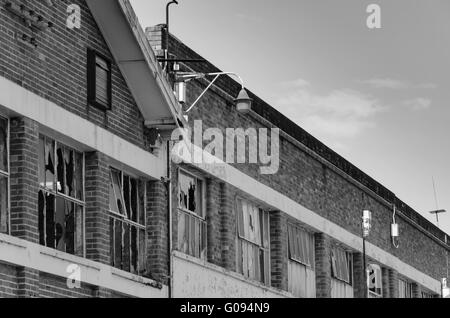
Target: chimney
(155, 35)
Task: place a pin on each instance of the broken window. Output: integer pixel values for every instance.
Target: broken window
(301, 245)
(191, 221)
(60, 197)
(253, 257)
(301, 275)
(404, 289)
(341, 265)
(4, 176)
(128, 222)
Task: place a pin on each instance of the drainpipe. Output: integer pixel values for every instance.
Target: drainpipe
(169, 219)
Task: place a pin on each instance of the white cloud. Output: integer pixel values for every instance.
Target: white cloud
(395, 84)
(342, 113)
(386, 83)
(417, 103)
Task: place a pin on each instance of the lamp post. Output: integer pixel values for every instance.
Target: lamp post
(366, 225)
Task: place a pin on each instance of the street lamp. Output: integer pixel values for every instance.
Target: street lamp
(243, 102)
(366, 226)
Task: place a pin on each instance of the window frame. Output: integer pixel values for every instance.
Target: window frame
(125, 219)
(370, 292)
(203, 194)
(202, 219)
(57, 194)
(92, 56)
(406, 286)
(349, 263)
(299, 228)
(7, 174)
(266, 250)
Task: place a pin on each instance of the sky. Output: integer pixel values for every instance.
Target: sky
(379, 97)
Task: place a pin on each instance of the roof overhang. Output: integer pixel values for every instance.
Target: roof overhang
(137, 62)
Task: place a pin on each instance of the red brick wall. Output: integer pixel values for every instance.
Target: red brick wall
(8, 281)
(56, 69)
(24, 141)
(312, 182)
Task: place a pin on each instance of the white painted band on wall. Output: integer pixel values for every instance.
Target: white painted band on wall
(30, 255)
(25, 103)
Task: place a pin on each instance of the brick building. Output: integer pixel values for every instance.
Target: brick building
(86, 184)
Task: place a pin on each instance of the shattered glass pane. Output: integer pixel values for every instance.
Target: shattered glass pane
(41, 155)
(41, 210)
(188, 193)
(141, 253)
(78, 178)
(3, 204)
(69, 169)
(49, 164)
(134, 250)
(61, 185)
(118, 242)
(112, 244)
(49, 220)
(79, 240)
(134, 200)
(126, 193)
(3, 145)
(126, 266)
(141, 202)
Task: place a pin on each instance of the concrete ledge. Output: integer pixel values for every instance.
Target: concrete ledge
(195, 278)
(18, 252)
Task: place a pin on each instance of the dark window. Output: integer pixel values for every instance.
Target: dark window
(4, 175)
(99, 80)
(60, 197)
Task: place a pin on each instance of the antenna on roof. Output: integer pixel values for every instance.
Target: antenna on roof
(437, 211)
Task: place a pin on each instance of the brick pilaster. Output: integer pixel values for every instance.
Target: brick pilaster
(228, 231)
(359, 281)
(157, 244)
(97, 206)
(385, 281)
(278, 250)
(24, 143)
(323, 265)
(393, 284)
(27, 283)
(214, 222)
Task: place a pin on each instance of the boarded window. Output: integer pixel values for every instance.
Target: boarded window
(99, 80)
(253, 257)
(301, 245)
(128, 222)
(341, 265)
(191, 217)
(4, 176)
(404, 289)
(60, 197)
